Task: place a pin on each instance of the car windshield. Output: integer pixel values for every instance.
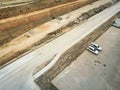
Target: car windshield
(93, 49)
(94, 45)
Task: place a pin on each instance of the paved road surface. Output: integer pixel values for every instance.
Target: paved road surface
(18, 75)
(94, 72)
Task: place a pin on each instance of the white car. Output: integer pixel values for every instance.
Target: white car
(93, 50)
(116, 23)
(96, 46)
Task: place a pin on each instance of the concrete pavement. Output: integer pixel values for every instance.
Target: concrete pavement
(94, 72)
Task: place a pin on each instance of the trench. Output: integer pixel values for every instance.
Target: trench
(13, 27)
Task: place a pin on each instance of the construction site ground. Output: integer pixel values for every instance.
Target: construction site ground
(94, 72)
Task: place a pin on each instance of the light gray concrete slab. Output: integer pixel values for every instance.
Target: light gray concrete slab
(94, 72)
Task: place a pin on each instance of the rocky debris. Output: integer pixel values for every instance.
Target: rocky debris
(97, 10)
(86, 15)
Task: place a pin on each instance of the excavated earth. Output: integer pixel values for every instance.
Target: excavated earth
(17, 24)
(12, 27)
